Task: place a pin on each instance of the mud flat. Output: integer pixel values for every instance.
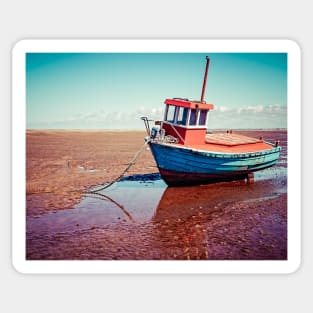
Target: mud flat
(62, 164)
(140, 218)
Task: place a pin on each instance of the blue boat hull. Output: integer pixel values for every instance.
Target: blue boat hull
(184, 166)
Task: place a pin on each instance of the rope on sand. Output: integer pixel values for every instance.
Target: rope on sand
(130, 164)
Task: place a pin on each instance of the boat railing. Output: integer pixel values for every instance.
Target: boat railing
(147, 125)
(158, 135)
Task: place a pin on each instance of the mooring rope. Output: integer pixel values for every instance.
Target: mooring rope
(130, 164)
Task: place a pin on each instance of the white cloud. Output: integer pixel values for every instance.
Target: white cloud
(152, 113)
(107, 120)
(222, 109)
(253, 116)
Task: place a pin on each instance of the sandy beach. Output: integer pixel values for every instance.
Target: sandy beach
(220, 221)
(60, 165)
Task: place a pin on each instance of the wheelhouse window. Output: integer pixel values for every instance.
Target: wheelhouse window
(182, 116)
(203, 116)
(193, 117)
(170, 116)
(186, 116)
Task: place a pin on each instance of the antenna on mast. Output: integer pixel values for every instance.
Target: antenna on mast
(205, 77)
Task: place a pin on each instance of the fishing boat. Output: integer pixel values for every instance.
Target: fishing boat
(186, 154)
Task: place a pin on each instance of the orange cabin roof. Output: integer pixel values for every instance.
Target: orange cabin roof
(189, 104)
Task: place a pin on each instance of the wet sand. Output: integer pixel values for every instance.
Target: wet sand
(60, 165)
(146, 220)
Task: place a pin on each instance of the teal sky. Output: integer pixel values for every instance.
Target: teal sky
(113, 90)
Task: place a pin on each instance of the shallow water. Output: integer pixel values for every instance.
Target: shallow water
(165, 222)
(125, 201)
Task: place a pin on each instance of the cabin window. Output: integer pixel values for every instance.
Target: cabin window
(182, 116)
(193, 117)
(171, 113)
(202, 118)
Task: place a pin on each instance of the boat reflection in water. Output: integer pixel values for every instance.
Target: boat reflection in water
(184, 201)
(146, 198)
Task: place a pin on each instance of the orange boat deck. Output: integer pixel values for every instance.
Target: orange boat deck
(231, 143)
(230, 139)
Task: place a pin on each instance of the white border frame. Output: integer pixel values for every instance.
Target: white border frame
(156, 267)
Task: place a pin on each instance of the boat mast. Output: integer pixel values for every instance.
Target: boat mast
(205, 77)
